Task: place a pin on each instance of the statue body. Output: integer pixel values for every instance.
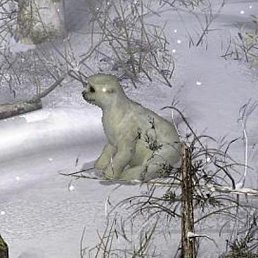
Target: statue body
(140, 144)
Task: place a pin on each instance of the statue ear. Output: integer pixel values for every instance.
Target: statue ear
(85, 84)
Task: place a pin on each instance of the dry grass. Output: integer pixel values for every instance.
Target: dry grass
(244, 47)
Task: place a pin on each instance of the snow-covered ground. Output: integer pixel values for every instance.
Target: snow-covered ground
(43, 213)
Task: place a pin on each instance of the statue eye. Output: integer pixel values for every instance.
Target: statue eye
(92, 90)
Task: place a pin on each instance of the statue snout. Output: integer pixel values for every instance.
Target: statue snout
(84, 94)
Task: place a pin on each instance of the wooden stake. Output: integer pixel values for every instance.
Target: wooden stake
(187, 221)
(4, 253)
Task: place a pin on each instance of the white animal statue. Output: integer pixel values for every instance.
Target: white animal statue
(140, 144)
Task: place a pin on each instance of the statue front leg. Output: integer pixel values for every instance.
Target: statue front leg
(103, 161)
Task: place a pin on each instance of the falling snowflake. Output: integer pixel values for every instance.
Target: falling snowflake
(198, 83)
(71, 188)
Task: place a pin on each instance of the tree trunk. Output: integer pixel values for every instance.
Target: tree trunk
(40, 20)
(8, 110)
(18, 108)
(187, 243)
(4, 253)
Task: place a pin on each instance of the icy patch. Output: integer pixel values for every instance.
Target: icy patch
(50, 129)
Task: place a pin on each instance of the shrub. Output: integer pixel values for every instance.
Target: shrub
(128, 45)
